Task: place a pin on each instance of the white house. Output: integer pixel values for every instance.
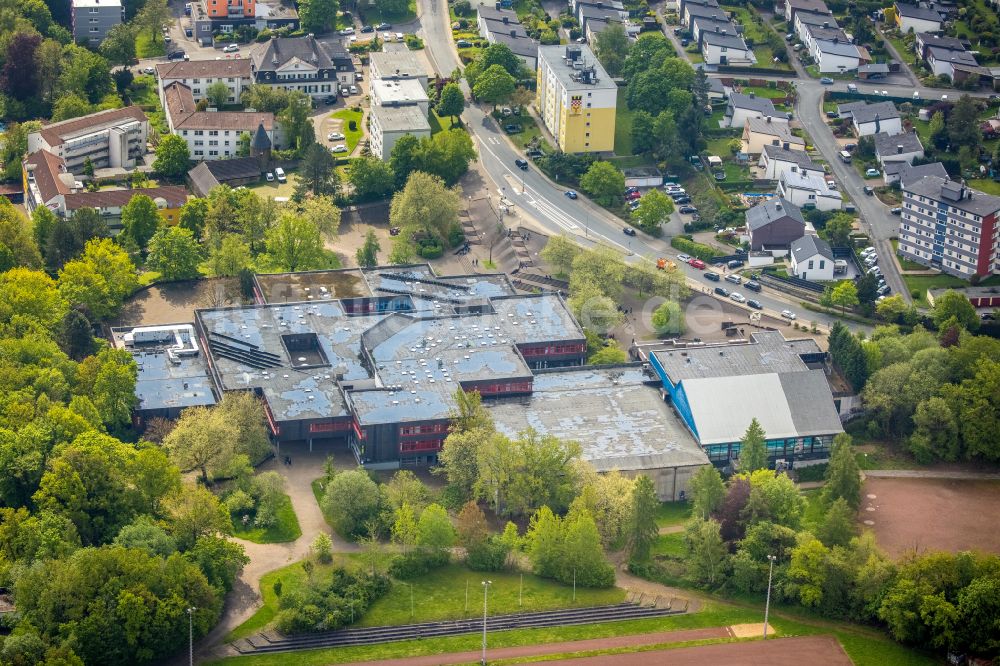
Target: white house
(956, 65)
(871, 119)
(793, 7)
(916, 18)
(693, 9)
(724, 48)
(198, 75)
(306, 64)
(402, 92)
(701, 24)
(808, 189)
(389, 123)
(837, 56)
(897, 148)
(741, 107)
(812, 32)
(213, 135)
(775, 160)
(760, 132)
(905, 174)
(812, 259)
(803, 20)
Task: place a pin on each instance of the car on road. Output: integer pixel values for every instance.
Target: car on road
(872, 173)
(788, 314)
(753, 285)
(632, 196)
(735, 279)
(738, 297)
(826, 81)
(339, 148)
(386, 36)
(383, 26)
(687, 210)
(684, 257)
(230, 48)
(755, 304)
(279, 173)
(896, 211)
(148, 70)
(334, 136)
(347, 31)
(869, 190)
(571, 194)
(722, 291)
(269, 177)
(628, 231)
(697, 263)
(712, 277)
(521, 164)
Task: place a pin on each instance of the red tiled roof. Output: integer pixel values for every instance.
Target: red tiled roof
(181, 109)
(54, 133)
(175, 196)
(47, 168)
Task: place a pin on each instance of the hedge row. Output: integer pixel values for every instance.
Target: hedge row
(688, 246)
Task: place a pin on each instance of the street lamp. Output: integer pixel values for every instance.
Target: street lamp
(767, 604)
(190, 612)
(411, 598)
(486, 592)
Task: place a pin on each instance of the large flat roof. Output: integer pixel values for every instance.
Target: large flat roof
(312, 285)
(569, 76)
(767, 352)
(420, 282)
(619, 420)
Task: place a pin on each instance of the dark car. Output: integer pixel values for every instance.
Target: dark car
(712, 277)
(533, 153)
(629, 231)
(752, 285)
(367, 29)
(722, 291)
(685, 42)
(187, 32)
(330, 99)
(832, 114)
(383, 26)
(630, 190)
(755, 304)
(571, 194)
(869, 190)
(687, 210)
(682, 199)
(512, 129)
(896, 211)
(735, 263)
(175, 55)
(521, 164)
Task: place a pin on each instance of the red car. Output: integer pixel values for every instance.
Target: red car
(632, 196)
(697, 263)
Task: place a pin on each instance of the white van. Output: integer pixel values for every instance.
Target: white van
(845, 157)
(279, 173)
(852, 88)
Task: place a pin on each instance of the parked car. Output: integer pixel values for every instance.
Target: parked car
(685, 42)
(463, 44)
(339, 148)
(629, 231)
(712, 277)
(176, 55)
(832, 114)
(896, 211)
(734, 263)
(279, 173)
(682, 199)
(630, 190)
(269, 177)
(826, 81)
(755, 304)
(722, 291)
(347, 31)
(367, 29)
(399, 37)
(330, 99)
(149, 70)
(684, 257)
(788, 314)
(697, 263)
(753, 285)
(869, 190)
(632, 196)
(571, 194)
(633, 205)
(512, 129)
(883, 290)
(383, 26)
(735, 279)
(354, 90)
(334, 136)
(687, 210)
(738, 297)
(522, 164)
(230, 48)
(872, 173)
(188, 33)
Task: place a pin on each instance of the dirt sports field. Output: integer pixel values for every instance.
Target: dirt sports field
(909, 514)
(777, 652)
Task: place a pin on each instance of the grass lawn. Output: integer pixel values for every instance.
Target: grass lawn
(906, 264)
(815, 510)
(285, 529)
(905, 52)
(719, 146)
(830, 106)
(751, 30)
(672, 513)
(623, 126)
(148, 47)
(986, 185)
(375, 16)
(764, 91)
(919, 284)
(694, 55)
(529, 132)
(347, 115)
(317, 489)
(439, 124)
(669, 545)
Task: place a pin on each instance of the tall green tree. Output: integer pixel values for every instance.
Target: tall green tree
(367, 254)
(371, 177)
(352, 500)
(317, 174)
(218, 94)
(843, 476)
(604, 182)
(494, 86)
(173, 158)
(426, 204)
(955, 304)
(294, 244)
(643, 530)
(844, 295)
(452, 101)
(653, 211)
(706, 554)
(175, 253)
(611, 47)
(140, 218)
(707, 491)
(583, 561)
(963, 124)
(318, 16)
(753, 448)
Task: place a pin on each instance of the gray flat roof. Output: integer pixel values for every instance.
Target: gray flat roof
(312, 285)
(753, 103)
(389, 63)
(619, 420)
(420, 282)
(768, 352)
(401, 118)
(553, 55)
(161, 384)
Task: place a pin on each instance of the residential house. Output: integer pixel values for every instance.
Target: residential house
(317, 68)
(47, 182)
(576, 99)
(774, 225)
(213, 135)
(712, 23)
(235, 172)
(389, 123)
(198, 75)
(212, 17)
(595, 26)
(956, 65)
(871, 119)
(723, 48)
(109, 139)
(577, 5)
(741, 107)
(925, 40)
(684, 4)
(708, 11)
(812, 259)
(491, 20)
(813, 32)
(717, 90)
(808, 189)
(401, 92)
(775, 160)
(760, 132)
(524, 48)
(950, 227)
(904, 173)
(92, 19)
(587, 14)
(806, 20)
(838, 56)
(897, 147)
(393, 66)
(793, 7)
(917, 18)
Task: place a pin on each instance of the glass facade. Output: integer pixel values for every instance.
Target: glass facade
(800, 448)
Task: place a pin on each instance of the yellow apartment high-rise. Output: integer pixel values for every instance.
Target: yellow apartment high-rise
(576, 99)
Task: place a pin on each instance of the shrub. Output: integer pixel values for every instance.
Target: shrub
(703, 252)
(490, 556)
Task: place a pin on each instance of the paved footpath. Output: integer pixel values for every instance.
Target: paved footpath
(931, 474)
(639, 640)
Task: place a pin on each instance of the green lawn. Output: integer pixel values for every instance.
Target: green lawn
(672, 513)
(146, 46)
(529, 132)
(921, 283)
(906, 264)
(285, 529)
(623, 126)
(142, 92)
(763, 91)
(815, 510)
(375, 15)
(318, 494)
(986, 185)
(905, 52)
(439, 124)
(347, 115)
(669, 545)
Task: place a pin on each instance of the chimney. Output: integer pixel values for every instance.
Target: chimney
(899, 149)
(768, 119)
(505, 19)
(785, 145)
(753, 95)
(513, 33)
(826, 24)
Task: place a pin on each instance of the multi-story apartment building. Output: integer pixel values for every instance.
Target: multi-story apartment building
(317, 68)
(949, 226)
(198, 75)
(210, 17)
(576, 99)
(213, 135)
(92, 19)
(114, 138)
